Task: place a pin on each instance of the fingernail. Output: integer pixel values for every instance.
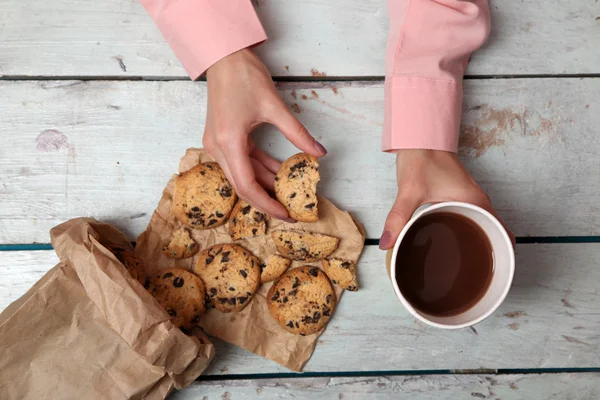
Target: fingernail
(320, 148)
(385, 240)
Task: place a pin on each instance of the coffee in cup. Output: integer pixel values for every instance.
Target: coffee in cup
(452, 265)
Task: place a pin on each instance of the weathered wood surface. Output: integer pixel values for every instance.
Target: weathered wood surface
(307, 37)
(22, 270)
(551, 319)
(582, 386)
(107, 149)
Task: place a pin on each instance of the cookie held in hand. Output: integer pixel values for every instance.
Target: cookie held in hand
(246, 221)
(302, 300)
(296, 187)
(203, 197)
(230, 274)
(303, 245)
(181, 293)
(273, 268)
(181, 245)
(341, 273)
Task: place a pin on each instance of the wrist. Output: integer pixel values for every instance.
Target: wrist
(423, 155)
(242, 56)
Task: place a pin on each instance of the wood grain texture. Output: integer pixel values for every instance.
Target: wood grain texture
(306, 37)
(583, 386)
(107, 149)
(22, 270)
(550, 319)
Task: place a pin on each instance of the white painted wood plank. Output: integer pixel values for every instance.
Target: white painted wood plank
(22, 270)
(107, 149)
(335, 37)
(550, 319)
(572, 386)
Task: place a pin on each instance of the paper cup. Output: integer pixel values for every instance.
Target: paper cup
(503, 263)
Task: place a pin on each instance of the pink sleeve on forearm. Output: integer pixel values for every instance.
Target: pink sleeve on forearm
(428, 50)
(201, 32)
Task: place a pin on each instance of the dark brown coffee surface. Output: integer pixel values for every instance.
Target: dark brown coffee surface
(444, 264)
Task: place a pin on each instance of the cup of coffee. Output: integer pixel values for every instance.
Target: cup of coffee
(452, 265)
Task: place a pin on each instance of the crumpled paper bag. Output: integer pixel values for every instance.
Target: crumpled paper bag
(87, 330)
(253, 328)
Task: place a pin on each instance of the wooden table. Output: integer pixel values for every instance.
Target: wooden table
(96, 112)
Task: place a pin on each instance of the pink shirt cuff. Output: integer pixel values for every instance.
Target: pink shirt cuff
(426, 113)
(201, 32)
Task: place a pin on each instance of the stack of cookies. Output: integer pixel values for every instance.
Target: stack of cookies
(226, 276)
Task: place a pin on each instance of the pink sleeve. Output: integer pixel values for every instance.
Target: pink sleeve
(201, 32)
(428, 50)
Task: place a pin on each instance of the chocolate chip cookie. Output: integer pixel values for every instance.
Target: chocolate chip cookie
(230, 274)
(203, 197)
(303, 245)
(341, 273)
(181, 245)
(133, 264)
(246, 221)
(296, 187)
(181, 293)
(273, 268)
(302, 300)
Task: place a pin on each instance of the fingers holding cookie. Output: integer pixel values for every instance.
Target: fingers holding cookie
(296, 187)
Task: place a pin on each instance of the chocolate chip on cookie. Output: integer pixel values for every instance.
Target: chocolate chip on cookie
(273, 268)
(246, 221)
(181, 293)
(296, 187)
(203, 197)
(231, 276)
(341, 272)
(181, 245)
(303, 245)
(134, 265)
(302, 300)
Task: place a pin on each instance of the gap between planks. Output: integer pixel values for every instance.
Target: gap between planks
(368, 242)
(358, 374)
(322, 79)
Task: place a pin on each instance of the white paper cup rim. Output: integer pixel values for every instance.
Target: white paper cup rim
(427, 209)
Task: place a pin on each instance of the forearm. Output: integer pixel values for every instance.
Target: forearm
(201, 32)
(428, 50)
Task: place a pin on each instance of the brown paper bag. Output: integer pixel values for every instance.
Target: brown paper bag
(253, 328)
(87, 330)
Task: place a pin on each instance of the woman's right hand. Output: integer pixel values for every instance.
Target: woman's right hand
(242, 96)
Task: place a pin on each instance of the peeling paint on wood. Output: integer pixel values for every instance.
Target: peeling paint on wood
(529, 178)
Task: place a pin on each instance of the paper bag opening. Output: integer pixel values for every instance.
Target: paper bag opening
(89, 330)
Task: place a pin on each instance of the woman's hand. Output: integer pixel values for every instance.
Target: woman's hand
(428, 176)
(241, 96)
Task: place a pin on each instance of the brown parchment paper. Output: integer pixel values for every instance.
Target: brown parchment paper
(87, 330)
(253, 328)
